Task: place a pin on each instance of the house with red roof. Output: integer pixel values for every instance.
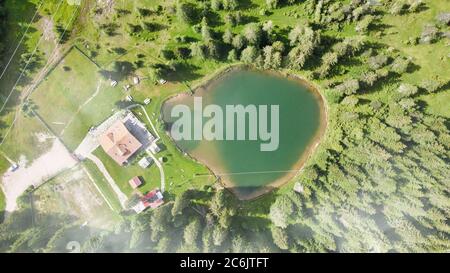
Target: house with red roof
(119, 143)
(152, 200)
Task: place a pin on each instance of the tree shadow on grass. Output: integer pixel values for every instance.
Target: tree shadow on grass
(380, 27)
(120, 71)
(251, 223)
(344, 65)
(183, 72)
(214, 19)
(373, 45)
(380, 84)
(413, 68)
(421, 8)
(247, 5)
(444, 87)
(421, 104)
(247, 19)
(282, 36)
(154, 27)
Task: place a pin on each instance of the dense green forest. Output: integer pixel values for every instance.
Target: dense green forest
(378, 182)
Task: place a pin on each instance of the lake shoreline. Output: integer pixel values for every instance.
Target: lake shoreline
(216, 170)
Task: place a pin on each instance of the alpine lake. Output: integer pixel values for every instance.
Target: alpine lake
(241, 164)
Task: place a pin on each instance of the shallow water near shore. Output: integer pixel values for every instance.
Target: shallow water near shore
(240, 164)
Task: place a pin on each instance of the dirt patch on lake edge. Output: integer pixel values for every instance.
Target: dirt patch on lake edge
(216, 168)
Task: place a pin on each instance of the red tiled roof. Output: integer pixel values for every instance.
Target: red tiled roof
(135, 182)
(151, 199)
(119, 143)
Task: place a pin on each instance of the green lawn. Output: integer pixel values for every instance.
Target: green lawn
(431, 59)
(66, 89)
(102, 184)
(93, 113)
(122, 175)
(26, 138)
(83, 98)
(437, 104)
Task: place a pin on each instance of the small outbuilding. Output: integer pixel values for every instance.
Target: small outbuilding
(154, 148)
(135, 182)
(152, 200)
(298, 187)
(145, 162)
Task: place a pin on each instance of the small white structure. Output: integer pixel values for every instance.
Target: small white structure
(162, 81)
(145, 162)
(139, 207)
(136, 80)
(147, 101)
(159, 195)
(129, 98)
(154, 148)
(113, 83)
(127, 87)
(298, 187)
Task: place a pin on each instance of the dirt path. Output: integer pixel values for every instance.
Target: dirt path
(47, 29)
(97, 91)
(161, 171)
(98, 189)
(122, 197)
(148, 118)
(158, 164)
